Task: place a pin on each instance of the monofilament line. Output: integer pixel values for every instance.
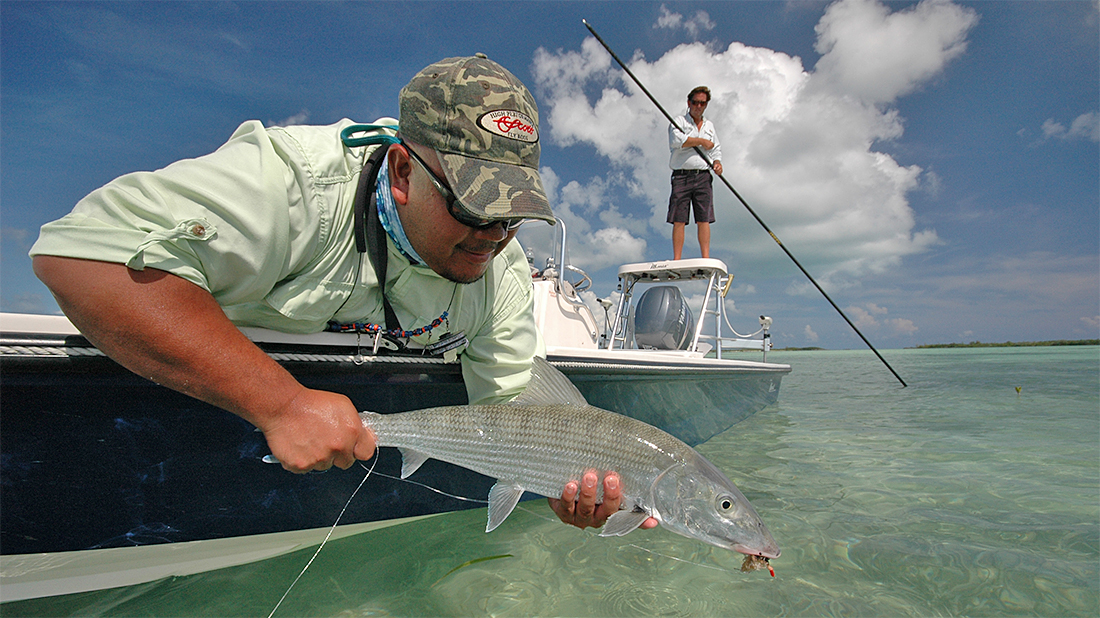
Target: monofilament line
(438, 491)
(327, 537)
(656, 553)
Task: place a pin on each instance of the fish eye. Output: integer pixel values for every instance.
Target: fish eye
(725, 503)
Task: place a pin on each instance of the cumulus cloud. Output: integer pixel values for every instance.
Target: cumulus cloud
(299, 118)
(810, 335)
(598, 234)
(902, 326)
(867, 318)
(798, 144)
(693, 25)
(862, 318)
(1085, 126)
(871, 53)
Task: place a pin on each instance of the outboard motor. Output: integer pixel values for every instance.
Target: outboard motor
(662, 319)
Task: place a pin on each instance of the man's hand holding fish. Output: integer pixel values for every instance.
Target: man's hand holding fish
(578, 506)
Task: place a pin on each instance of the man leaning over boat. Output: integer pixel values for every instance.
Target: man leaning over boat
(158, 269)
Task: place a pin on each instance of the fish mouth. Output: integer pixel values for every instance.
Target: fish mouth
(763, 553)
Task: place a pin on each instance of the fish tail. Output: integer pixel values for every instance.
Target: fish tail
(369, 418)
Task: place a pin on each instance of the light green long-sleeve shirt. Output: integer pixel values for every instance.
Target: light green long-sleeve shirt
(265, 224)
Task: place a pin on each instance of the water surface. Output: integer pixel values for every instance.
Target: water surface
(955, 496)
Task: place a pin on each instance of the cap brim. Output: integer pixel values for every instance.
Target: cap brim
(493, 190)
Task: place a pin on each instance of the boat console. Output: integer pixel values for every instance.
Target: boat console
(718, 283)
(667, 322)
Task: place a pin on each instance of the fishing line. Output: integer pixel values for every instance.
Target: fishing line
(746, 205)
(327, 537)
(438, 491)
(463, 498)
(705, 566)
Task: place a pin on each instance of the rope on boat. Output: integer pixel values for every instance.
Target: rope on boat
(48, 351)
(57, 351)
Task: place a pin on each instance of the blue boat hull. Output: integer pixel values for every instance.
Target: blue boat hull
(94, 457)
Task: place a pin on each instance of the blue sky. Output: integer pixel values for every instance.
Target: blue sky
(934, 165)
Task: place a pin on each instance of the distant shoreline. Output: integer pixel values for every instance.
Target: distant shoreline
(972, 344)
(1010, 344)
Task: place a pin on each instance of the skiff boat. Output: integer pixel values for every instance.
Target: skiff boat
(107, 479)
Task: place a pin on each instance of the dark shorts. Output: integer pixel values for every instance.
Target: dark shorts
(691, 191)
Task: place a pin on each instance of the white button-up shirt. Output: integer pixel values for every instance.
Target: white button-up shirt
(686, 158)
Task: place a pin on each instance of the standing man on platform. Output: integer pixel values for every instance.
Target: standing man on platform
(691, 180)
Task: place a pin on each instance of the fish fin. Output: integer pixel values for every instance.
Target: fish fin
(503, 498)
(411, 461)
(624, 522)
(548, 386)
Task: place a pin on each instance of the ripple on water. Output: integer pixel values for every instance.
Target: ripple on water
(657, 599)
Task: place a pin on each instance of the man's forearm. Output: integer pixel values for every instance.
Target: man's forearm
(170, 331)
(692, 142)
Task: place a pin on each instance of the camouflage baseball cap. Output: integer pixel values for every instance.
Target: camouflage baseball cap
(484, 125)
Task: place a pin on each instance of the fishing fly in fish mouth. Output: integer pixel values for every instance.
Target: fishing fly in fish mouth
(550, 436)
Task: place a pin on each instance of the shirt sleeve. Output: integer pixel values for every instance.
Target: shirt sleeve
(677, 135)
(715, 153)
(223, 221)
(496, 365)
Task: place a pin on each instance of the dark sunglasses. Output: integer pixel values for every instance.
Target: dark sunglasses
(452, 202)
(698, 102)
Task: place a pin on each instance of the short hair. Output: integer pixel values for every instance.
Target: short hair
(697, 90)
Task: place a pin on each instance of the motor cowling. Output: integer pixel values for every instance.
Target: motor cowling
(662, 319)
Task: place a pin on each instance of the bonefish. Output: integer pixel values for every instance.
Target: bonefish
(549, 436)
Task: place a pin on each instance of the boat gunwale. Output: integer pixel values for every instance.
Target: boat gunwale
(30, 336)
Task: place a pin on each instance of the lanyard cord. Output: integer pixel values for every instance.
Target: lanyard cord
(369, 235)
(374, 235)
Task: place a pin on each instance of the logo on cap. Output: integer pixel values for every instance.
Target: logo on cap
(511, 124)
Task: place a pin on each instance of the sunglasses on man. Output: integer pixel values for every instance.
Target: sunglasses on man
(453, 205)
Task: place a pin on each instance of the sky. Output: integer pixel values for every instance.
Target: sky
(934, 165)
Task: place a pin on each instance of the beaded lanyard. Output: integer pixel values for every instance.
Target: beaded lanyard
(367, 327)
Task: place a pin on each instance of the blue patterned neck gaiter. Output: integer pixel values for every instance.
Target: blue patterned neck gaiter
(391, 222)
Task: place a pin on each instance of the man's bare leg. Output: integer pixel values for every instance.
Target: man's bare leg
(704, 239)
(678, 240)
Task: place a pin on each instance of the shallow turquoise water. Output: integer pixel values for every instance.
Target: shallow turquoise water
(955, 496)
